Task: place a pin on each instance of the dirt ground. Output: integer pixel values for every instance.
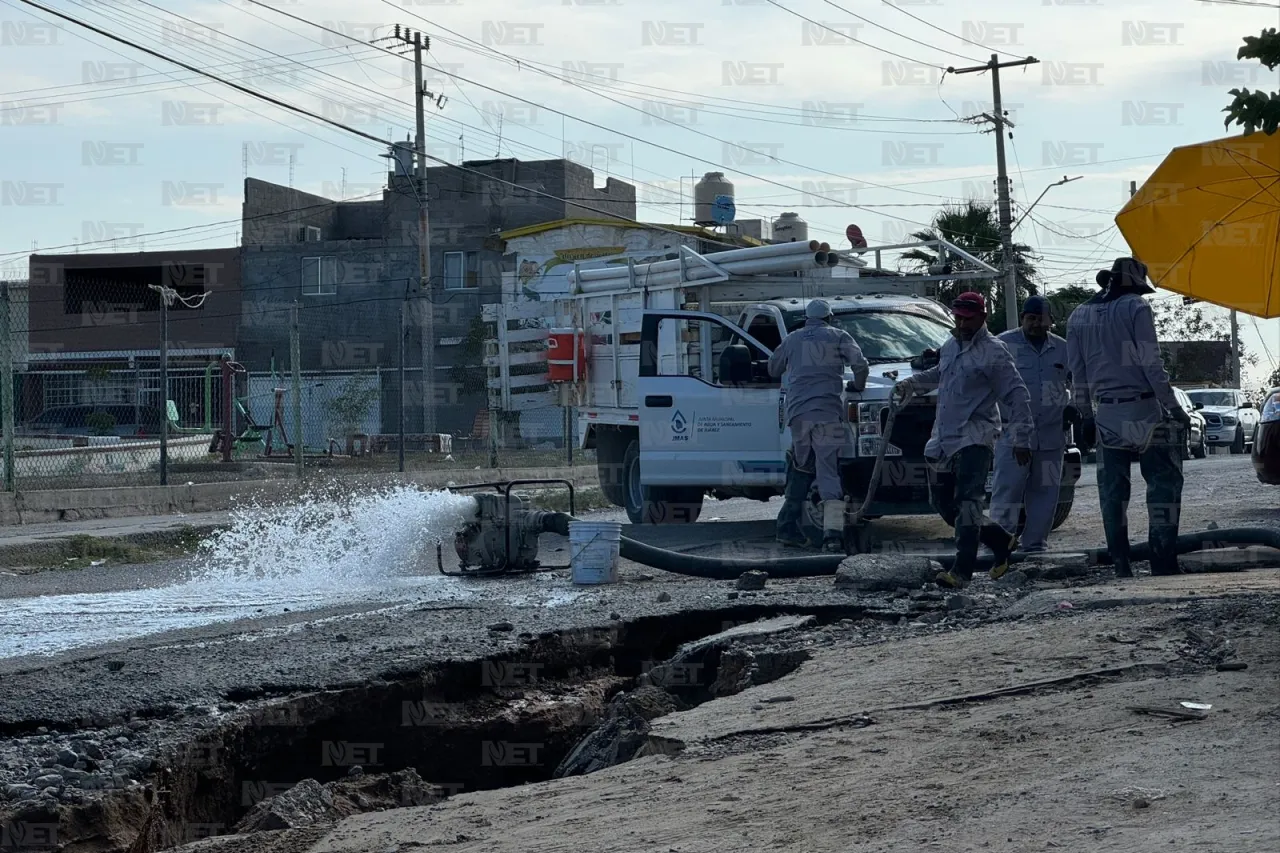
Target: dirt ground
(891, 740)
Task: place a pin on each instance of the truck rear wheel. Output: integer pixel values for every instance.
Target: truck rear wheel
(656, 504)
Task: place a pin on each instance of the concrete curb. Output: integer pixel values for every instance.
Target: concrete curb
(42, 507)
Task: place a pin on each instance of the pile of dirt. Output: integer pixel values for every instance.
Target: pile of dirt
(309, 803)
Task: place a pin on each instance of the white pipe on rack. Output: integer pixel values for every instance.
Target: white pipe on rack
(718, 258)
(759, 266)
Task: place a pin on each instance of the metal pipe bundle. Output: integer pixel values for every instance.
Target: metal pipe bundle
(761, 260)
(726, 259)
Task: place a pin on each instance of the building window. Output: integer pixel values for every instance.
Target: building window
(319, 276)
(461, 270)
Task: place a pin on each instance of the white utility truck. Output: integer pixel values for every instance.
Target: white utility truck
(666, 364)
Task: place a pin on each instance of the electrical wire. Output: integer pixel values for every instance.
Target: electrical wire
(599, 126)
(849, 37)
(900, 35)
(899, 8)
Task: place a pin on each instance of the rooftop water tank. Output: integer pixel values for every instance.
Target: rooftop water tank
(705, 193)
(789, 227)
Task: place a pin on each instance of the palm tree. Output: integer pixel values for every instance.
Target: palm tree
(975, 228)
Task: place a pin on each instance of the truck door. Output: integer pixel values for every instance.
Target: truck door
(710, 415)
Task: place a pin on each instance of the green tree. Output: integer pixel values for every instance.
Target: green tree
(975, 228)
(1257, 110)
(1176, 321)
(1064, 300)
(468, 371)
(353, 403)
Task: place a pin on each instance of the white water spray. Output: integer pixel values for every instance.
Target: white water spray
(333, 543)
(319, 552)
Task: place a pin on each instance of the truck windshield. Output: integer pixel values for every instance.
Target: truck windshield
(887, 336)
(1213, 398)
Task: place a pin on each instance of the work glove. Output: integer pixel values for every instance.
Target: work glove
(1070, 417)
(1023, 455)
(902, 391)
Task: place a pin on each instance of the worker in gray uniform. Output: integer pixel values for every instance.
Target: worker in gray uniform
(1123, 392)
(1041, 359)
(813, 358)
(975, 372)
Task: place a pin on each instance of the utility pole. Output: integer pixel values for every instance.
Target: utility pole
(1235, 351)
(165, 295)
(6, 389)
(419, 42)
(1002, 179)
(295, 367)
(404, 331)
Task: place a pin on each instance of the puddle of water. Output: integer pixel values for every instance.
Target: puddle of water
(312, 554)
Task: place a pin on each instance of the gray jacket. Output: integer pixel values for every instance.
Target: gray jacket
(813, 359)
(972, 378)
(1044, 372)
(1117, 373)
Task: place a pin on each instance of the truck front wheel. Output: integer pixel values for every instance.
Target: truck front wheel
(657, 504)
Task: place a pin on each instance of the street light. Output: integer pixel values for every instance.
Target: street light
(1027, 212)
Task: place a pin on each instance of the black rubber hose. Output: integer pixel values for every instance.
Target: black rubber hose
(716, 568)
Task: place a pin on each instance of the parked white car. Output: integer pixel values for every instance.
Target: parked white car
(1231, 419)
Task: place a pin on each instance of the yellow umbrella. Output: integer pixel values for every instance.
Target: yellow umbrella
(1207, 223)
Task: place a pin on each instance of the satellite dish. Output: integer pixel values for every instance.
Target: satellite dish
(854, 235)
(723, 210)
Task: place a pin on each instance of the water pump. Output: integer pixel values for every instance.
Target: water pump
(503, 536)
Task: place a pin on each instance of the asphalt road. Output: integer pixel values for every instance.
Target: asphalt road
(408, 614)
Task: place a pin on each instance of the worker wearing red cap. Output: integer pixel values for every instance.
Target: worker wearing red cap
(975, 376)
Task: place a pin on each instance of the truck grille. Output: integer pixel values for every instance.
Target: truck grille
(1213, 420)
(912, 427)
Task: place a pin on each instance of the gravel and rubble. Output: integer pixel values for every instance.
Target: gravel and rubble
(89, 731)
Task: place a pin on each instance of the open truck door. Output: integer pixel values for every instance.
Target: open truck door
(709, 412)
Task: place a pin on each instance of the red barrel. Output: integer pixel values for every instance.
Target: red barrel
(561, 344)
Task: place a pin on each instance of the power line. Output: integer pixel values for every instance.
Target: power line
(896, 6)
(846, 35)
(898, 34)
(624, 134)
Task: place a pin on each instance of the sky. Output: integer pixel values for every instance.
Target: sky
(846, 117)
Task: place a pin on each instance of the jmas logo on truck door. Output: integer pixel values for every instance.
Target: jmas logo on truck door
(679, 427)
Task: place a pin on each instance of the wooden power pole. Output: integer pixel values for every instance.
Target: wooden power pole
(997, 117)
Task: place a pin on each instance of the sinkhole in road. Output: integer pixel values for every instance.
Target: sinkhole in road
(462, 726)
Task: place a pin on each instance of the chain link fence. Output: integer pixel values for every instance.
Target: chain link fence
(355, 406)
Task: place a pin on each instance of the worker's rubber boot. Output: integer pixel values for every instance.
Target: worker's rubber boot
(794, 495)
(833, 527)
(1002, 543)
(1163, 540)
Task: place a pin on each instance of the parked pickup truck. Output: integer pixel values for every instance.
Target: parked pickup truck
(678, 404)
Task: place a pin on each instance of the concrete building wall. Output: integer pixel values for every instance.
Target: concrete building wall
(375, 251)
(99, 302)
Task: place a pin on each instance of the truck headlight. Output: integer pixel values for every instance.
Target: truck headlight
(869, 418)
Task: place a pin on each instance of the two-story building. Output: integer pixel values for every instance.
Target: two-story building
(352, 267)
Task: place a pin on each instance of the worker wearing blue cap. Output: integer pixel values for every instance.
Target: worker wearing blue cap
(1041, 359)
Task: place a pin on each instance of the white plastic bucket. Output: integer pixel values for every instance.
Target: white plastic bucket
(593, 551)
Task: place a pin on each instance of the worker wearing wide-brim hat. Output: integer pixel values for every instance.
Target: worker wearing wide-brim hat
(1123, 391)
(1041, 359)
(974, 375)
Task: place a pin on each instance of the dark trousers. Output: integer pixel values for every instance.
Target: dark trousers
(969, 469)
(1161, 466)
(794, 495)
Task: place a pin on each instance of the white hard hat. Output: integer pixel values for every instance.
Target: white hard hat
(818, 309)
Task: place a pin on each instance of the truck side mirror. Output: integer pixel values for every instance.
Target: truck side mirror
(1198, 406)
